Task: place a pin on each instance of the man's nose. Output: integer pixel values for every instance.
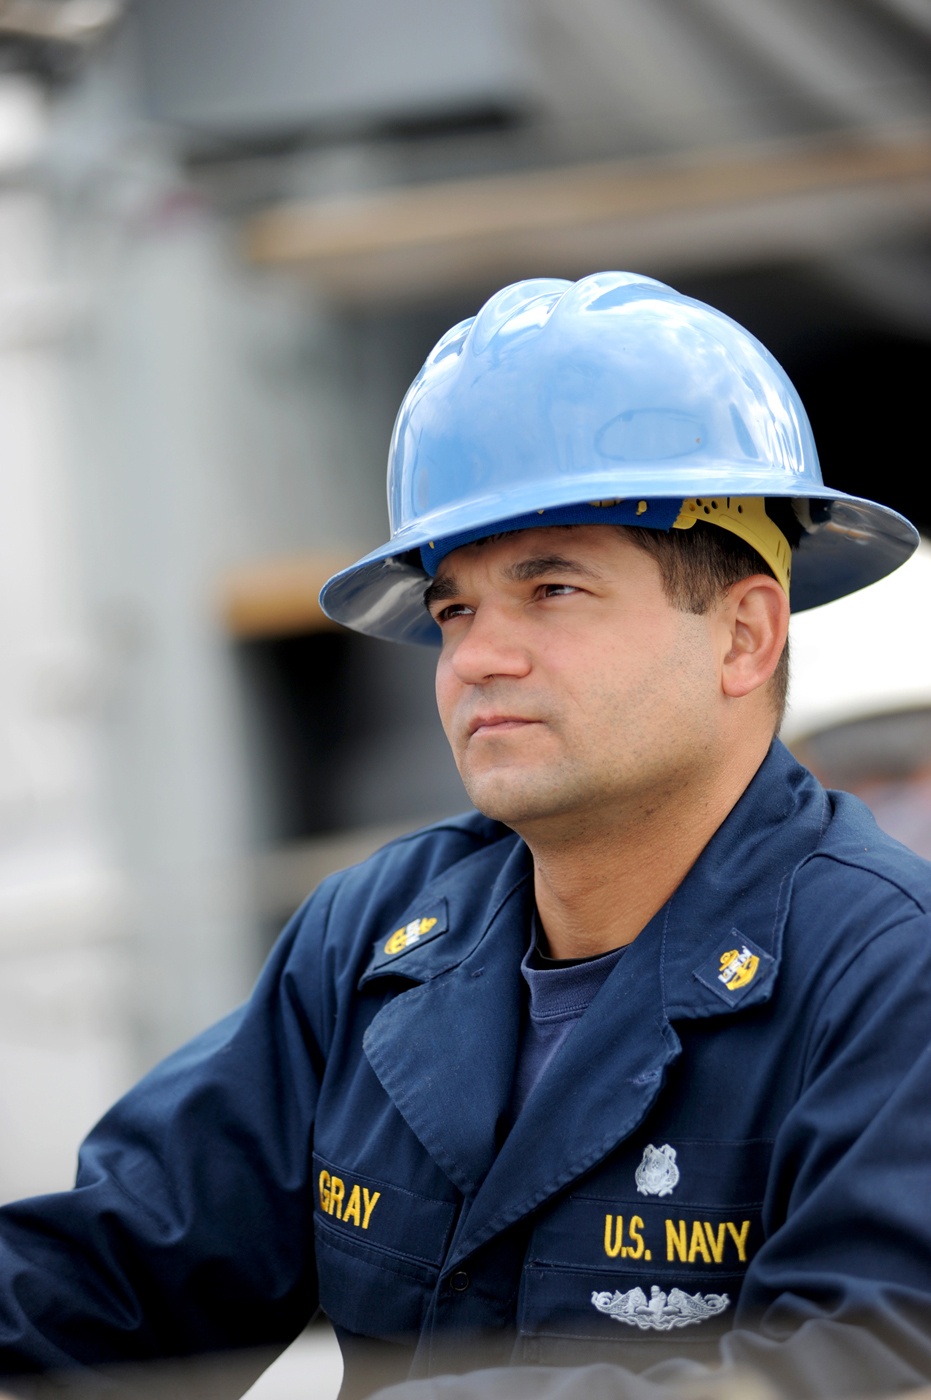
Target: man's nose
(491, 645)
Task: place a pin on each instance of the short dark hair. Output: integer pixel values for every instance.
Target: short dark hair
(698, 566)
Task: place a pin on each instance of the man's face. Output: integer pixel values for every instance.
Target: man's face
(569, 687)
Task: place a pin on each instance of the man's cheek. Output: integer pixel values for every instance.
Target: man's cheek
(449, 704)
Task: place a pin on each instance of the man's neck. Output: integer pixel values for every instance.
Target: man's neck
(598, 885)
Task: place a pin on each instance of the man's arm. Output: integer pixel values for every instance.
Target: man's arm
(189, 1227)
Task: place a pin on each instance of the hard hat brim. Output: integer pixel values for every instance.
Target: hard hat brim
(846, 544)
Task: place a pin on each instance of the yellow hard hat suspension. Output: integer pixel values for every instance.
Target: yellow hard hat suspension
(746, 517)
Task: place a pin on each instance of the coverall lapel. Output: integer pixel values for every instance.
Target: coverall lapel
(737, 894)
(594, 1095)
(445, 1050)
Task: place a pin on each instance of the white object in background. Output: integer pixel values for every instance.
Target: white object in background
(866, 654)
(23, 123)
(311, 1366)
(64, 903)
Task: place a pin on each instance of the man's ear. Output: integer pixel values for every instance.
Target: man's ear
(757, 613)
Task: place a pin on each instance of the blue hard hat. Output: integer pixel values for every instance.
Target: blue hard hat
(562, 396)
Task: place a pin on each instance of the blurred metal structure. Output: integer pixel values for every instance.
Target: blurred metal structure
(808, 198)
(232, 72)
(701, 134)
(81, 22)
(54, 39)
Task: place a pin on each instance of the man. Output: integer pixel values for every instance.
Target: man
(628, 1067)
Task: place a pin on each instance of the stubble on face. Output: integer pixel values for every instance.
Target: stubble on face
(578, 767)
(602, 695)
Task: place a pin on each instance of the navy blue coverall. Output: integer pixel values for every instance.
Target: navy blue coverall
(729, 1159)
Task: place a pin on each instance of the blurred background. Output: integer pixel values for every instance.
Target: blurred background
(229, 233)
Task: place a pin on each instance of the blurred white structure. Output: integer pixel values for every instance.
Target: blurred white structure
(860, 699)
(134, 408)
(867, 654)
(63, 898)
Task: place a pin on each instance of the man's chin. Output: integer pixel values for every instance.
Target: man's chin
(516, 803)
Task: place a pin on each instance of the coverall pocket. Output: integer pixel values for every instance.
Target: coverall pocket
(653, 1245)
(379, 1249)
(369, 1291)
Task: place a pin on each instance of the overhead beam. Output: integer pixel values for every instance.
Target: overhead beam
(412, 242)
(279, 597)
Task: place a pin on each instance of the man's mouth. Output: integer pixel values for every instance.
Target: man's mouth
(497, 724)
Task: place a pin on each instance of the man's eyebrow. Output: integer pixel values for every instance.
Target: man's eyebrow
(525, 570)
(439, 590)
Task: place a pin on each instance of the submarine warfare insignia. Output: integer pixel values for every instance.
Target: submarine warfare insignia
(663, 1311)
(657, 1174)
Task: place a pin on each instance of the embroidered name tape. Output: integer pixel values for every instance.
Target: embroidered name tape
(737, 968)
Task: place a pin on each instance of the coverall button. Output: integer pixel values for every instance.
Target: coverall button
(459, 1281)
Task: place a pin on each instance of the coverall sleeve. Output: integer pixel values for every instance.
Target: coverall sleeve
(838, 1300)
(189, 1227)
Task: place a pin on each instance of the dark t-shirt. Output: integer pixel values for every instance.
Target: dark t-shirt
(560, 991)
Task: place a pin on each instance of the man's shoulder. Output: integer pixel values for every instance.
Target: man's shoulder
(855, 853)
(431, 850)
(452, 859)
(860, 904)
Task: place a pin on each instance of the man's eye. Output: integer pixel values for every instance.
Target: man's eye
(451, 611)
(557, 590)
